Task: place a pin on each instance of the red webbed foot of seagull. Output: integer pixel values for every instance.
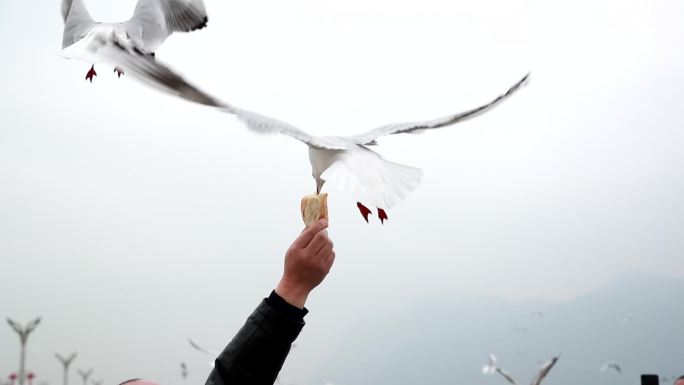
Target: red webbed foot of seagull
(118, 71)
(382, 215)
(365, 211)
(91, 73)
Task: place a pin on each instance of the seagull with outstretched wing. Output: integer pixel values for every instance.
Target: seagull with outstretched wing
(210, 352)
(347, 162)
(153, 21)
(491, 367)
(201, 349)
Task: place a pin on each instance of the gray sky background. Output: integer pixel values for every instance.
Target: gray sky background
(130, 220)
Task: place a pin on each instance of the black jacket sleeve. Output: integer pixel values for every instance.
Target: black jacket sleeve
(257, 352)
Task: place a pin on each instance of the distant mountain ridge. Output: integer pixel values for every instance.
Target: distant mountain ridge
(636, 320)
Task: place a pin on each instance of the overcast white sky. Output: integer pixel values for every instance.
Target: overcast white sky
(130, 220)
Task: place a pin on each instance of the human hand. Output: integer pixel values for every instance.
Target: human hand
(307, 262)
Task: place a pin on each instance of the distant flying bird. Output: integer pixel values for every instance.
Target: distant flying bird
(611, 365)
(537, 313)
(629, 318)
(212, 353)
(184, 370)
(346, 161)
(201, 349)
(153, 21)
(491, 367)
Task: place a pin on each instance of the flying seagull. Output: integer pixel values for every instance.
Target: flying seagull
(491, 367)
(629, 318)
(611, 365)
(184, 370)
(153, 21)
(347, 162)
(201, 349)
(212, 353)
(537, 313)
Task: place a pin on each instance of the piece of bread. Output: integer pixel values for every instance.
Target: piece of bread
(314, 207)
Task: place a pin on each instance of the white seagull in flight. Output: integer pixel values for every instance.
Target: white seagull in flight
(491, 367)
(348, 162)
(152, 22)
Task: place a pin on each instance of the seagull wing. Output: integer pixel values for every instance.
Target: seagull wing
(544, 371)
(77, 21)
(125, 54)
(201, 349)
(490, 367)
(155, 20)
(370, 137)
(506, 375)
(110, 48)
(266, 125)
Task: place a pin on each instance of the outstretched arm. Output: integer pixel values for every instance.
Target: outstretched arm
(257, 353)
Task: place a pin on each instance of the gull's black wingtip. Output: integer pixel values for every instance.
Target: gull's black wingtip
(526, 78)
(201, 25)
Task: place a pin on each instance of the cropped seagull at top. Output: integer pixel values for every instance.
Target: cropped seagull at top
(347, 162)
(152, 22)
